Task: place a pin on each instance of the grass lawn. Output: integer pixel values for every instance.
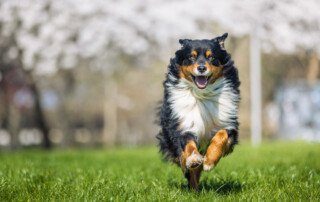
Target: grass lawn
(273, 171)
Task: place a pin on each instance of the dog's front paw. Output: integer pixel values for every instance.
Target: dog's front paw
(194, 160)
(207, 166)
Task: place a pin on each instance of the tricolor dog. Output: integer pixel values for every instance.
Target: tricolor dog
(199, 111)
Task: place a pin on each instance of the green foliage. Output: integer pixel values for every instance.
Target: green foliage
(274, 171)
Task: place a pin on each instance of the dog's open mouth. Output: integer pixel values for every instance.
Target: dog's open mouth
(201, 81)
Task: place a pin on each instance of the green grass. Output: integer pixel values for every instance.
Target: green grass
(273, 171)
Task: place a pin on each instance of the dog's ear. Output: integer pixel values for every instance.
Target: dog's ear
(183, 42)
(221, 39)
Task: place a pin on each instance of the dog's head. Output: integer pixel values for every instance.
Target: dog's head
(201, 61)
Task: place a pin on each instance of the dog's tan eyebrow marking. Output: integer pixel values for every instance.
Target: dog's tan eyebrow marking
(208, 53)
(195, 53)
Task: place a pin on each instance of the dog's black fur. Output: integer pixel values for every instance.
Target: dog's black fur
(172, 140)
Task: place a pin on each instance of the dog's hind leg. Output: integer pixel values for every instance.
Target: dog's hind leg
(220, 145)
(194, 178)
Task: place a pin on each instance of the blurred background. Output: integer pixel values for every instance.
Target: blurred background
(89, 73)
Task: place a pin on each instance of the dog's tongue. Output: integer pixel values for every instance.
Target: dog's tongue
(201, 81)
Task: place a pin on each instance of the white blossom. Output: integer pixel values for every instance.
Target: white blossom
(57, 33)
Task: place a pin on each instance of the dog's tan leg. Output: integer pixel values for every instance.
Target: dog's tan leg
(190, 157)
(190, 162)
(219, 146)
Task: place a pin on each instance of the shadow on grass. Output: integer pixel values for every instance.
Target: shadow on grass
(221, 186)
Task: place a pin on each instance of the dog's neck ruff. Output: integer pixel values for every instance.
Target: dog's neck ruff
(201, 111)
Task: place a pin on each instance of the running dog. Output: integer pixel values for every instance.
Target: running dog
(199, 111)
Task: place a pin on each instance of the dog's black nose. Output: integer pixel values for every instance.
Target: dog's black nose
(202, 69)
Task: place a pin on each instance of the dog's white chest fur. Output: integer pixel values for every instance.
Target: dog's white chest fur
(201, 111)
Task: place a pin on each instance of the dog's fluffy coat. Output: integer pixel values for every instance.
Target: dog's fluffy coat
(189, 113)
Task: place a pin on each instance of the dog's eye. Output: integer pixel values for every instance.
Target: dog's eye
(210, 58)
(191, 57)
